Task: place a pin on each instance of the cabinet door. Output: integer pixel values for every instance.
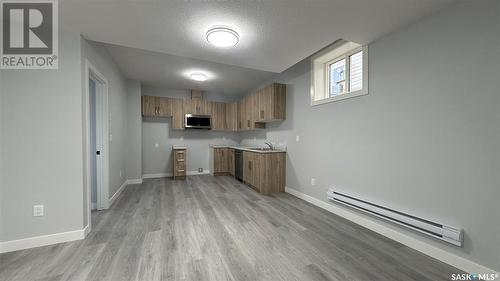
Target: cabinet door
(206, 107)
(165, 107)
(247, 167)
(241, 114)
(276, 108)
(249, 104)
(150, 106)
(177, 114)
(218, 116)
(255, 181)
(232, 116)
(218, 160)
(230, 161)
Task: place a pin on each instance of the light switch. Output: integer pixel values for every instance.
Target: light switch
(313, 181)
(157, 145)
(297, 138)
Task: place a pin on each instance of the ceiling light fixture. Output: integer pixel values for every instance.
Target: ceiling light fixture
(199, 77)
(222, 36)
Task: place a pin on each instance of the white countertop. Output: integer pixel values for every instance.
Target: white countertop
(179, 147)
(246, 148)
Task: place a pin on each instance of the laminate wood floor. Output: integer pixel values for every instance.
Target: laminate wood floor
(208, 228)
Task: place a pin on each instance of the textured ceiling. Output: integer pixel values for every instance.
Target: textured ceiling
(275, 34)
(162, 70)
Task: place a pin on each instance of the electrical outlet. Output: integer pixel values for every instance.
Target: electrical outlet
(313, 181)
(38, 210)
(297, 138)
(200, 170)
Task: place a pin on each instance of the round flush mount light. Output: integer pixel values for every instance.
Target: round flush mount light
(222, 36)
(199, 77)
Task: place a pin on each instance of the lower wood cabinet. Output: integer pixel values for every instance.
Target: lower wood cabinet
(223, 161)
(264, 172)
(179, 164)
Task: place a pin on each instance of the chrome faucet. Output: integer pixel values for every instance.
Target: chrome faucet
(270, 144)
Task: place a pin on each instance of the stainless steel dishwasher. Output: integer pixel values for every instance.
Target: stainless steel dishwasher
(238, 164)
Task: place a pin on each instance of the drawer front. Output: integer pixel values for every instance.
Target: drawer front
(180, 154)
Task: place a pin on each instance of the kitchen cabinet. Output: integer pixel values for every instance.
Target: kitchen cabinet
(197, 106)
(156, 106)
(223, 161)
(177, 114)
(264, 172)
(218, 116)
(179, 164)
(271, 103)
(230, 164)
(165, 107)
(150, 106)
(249, 113)
(251, 169)
(241, 114)
(251, 104)
(231, 116)
(245, 115)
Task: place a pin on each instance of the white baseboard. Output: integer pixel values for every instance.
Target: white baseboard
(86, 230)
(134, 181)
(194, 173)
(156, 176)
(167, 175)
(117, 193)
(435, 252)
(43, 240)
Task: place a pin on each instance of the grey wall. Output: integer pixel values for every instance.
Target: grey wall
(41, 137)
(98, 56)
(133, 165)
(424, 141)
(158, 160)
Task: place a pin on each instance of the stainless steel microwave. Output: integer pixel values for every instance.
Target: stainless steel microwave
(193, 121)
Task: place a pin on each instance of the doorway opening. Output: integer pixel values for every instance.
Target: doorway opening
(97, 143)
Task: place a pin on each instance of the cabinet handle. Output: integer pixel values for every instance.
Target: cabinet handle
(262, 114)
(248, 123)
(249, 165)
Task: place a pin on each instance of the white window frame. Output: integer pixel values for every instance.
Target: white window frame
(347, 49)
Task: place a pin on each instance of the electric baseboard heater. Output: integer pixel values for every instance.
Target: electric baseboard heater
(446, 233)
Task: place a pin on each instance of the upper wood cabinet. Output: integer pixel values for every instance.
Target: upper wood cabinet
(150, 106)
(177, 114)
(241, 116)
(250, 112)
(156, 106)
(231, 116)
(197, 106)
(270, 103)
(218, 113)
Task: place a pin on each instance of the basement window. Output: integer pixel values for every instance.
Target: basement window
(339, 72)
